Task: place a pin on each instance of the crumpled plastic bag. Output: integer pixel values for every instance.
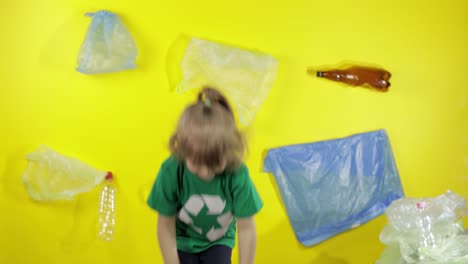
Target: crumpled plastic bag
(108, 46)
(426, 230)
(244, 76)
(332, 186)
(50, 176)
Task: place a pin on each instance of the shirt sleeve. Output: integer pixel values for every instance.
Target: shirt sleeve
(246, 200)
(163, 197)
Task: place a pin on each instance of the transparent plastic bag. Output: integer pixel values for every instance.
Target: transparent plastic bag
(426, 230)
(332, 186)
(108, 46)
(51, 176)
(244, 76)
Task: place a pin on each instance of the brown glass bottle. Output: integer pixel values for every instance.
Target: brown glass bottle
(358, 76)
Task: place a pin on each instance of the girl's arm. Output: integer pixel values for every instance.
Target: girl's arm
(167, 239)
(247, 240)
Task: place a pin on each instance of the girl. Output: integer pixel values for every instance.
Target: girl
(203, 191)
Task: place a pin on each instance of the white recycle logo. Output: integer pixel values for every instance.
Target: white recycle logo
(215, 206)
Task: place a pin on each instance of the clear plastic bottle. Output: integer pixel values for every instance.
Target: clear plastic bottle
(106, 217)
(425, 224)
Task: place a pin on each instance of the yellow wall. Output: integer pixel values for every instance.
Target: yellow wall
(121, 122)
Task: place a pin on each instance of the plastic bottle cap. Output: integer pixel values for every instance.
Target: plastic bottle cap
(421, 205)
(109, 176)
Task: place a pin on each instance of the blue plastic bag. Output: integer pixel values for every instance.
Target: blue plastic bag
(108, 46)
(331, 186)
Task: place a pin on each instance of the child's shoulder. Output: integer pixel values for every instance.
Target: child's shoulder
(240, 171)
(170, 163)
(168, 169)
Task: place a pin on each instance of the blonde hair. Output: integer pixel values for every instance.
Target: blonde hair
(207, 133)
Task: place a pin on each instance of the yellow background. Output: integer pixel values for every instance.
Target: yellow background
(121, 122)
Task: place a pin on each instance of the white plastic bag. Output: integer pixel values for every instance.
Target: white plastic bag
(52, 176)
(426, 230)
(244, 76)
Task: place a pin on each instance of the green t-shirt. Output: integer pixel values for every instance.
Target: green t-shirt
(205, 212)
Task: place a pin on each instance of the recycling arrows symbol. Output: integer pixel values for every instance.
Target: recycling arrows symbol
(215, 206)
